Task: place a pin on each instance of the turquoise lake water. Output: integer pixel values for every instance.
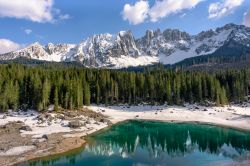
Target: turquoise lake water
(145, 143)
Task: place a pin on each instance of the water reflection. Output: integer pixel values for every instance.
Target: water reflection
(173, 139)
(155, 143)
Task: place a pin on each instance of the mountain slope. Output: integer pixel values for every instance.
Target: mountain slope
(123, 50)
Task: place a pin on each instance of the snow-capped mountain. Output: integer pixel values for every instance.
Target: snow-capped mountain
(123, 50)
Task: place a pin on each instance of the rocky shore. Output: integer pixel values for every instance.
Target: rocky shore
(28, 135)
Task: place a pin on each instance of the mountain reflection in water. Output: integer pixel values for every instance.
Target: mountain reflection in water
(157, 143)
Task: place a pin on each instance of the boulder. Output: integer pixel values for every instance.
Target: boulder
(75, 124)
(13, 126)
(103, 120)
(44, 117)
(71, 114)
(61, 116)
(25, 128)
(45, 137)
(88, 122)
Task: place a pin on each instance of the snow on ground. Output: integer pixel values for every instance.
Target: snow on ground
(39, 129)
(237, 116)
(17, 150)
(230, 116)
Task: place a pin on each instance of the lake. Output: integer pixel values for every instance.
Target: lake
(142, 143)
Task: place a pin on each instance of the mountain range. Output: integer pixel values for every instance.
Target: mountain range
(123, 49)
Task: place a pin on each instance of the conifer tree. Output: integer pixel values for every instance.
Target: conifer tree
(56, 104)
(86, 94)
(97, 95)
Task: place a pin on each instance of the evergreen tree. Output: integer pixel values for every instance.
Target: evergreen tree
(45, 94)
(86, 93)
(56, 104)
(24, 87)
(97, 95)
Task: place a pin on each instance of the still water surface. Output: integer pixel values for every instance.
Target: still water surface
(141, 143)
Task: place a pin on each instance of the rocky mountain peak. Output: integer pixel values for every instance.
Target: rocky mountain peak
(157, 32)
(229, 26)
(205, 35)
(176, 35)
(122, 49)
(125, 44)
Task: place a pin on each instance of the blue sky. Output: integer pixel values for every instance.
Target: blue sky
(71, 21)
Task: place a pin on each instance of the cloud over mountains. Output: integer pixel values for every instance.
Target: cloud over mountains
(141, 11)
(8, 45)
(223, 8)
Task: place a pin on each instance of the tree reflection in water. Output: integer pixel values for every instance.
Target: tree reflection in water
(173, 139)
(157, 141)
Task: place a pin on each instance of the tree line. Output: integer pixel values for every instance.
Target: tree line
(27, 87)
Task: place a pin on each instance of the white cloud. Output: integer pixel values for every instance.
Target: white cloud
(223, 8)
(28, 31)
(8, 46)
(164, 8)
(136, 13)
(183, 15)
(34, 10)
(246, 19)
(140, 11)
(64, 17)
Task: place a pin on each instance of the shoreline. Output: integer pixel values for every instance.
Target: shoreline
(240, 118)
(79, 148)
(234, 117)
(56, 133)
(55, 155)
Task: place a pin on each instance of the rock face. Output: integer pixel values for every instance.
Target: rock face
(123, 50)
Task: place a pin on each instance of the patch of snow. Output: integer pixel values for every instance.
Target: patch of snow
(126, 61)
(55, 126)
(15, 151)
(122, 33)
(232, 116)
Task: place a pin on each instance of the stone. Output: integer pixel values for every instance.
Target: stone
(75, 124)
(102, 120)
(25, 128)
(109, 123)
(45, 137)
(87, 122)
(62, 117)
(71, 114)
(41, 117)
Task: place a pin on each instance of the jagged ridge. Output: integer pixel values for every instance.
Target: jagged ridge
(123, 50)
